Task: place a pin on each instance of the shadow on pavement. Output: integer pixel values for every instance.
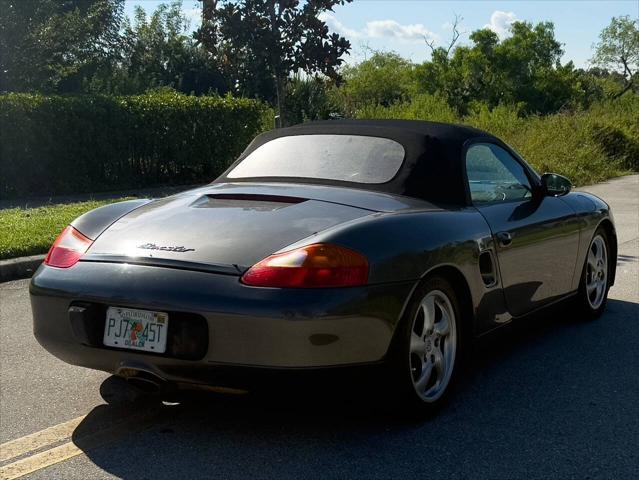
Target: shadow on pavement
(548, 397)
(626, 259)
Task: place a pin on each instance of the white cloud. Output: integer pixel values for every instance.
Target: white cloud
(500, 22)
(338, 27)
(380, 29)
(393, 29)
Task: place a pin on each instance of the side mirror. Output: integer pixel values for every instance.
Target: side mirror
(555, 185)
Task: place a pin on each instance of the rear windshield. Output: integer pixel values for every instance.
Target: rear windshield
(346, 158)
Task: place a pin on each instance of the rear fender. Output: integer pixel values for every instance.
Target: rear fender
(407, 246)
(94, 222)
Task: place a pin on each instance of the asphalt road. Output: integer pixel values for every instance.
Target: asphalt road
(552, 397)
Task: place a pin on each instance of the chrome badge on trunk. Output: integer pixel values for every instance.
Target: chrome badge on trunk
(153, 246)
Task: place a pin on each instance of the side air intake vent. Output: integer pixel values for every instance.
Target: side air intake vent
(487, 268)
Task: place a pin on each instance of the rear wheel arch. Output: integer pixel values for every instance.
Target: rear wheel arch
(462, 290)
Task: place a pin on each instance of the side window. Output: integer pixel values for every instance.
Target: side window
(495, 176)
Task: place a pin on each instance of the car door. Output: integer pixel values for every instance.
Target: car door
(536, 236)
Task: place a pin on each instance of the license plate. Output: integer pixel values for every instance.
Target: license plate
(136, 329)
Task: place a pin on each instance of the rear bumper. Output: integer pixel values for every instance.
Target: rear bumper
(247, 326)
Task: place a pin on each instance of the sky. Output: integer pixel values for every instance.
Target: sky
(402, 25)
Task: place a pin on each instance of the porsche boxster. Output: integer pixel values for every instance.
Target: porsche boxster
(329, 244)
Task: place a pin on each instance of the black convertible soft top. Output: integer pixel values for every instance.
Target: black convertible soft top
(433, 167)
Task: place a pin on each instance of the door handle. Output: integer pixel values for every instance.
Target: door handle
(505, 238)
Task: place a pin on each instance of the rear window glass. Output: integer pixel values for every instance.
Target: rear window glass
(346, 158)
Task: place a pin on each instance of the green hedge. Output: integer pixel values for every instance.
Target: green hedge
(60, 145)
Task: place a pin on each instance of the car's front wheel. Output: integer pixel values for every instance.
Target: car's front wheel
(594, 286)
(429, 345)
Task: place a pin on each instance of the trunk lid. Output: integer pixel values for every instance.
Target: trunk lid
(237, 225)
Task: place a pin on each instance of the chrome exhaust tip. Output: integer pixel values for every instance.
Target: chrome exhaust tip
(146, 385)
(144, 381)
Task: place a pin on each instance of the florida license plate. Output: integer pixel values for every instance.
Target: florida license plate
(136, 329)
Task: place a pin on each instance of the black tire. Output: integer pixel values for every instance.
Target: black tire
(587, 308)
(404, 366)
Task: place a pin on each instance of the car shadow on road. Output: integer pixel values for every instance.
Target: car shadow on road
(552, 396)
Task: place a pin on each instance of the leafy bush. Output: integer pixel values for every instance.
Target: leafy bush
(422, 107)
(587, 146)
(383, 79)
(616, 129)
(57, 145)
(307, 99)
(616, 144)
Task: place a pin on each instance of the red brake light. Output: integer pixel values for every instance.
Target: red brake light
(314, 266)
(67, 248)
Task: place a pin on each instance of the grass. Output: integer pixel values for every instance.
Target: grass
(30, 231)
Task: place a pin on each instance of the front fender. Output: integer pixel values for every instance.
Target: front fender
(593, 212)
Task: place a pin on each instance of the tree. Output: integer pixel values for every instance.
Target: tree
(261, 42)
(383, 79)
(523, 69)
(50, 45)
(156, 51)
(308, 99)
(618, 50)
(453, 39)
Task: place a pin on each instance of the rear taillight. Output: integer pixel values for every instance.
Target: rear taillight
(67, 248)
(314, 266)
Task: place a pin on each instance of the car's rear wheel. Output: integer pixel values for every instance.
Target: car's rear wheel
(594, 286)
(429, 345)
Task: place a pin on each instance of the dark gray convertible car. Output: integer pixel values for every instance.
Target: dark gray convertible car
(328, 244)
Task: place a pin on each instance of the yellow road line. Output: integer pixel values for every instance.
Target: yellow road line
(73, 448)
(39, 461)
(38, 440)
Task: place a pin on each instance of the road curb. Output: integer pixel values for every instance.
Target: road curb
(21, 267)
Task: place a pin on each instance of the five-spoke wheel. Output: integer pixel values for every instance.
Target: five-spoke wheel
(596, 272)
(429, 344)
(595, 278)
(433, 345)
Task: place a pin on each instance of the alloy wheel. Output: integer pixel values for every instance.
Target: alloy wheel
(433, 345)
(596, 272)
